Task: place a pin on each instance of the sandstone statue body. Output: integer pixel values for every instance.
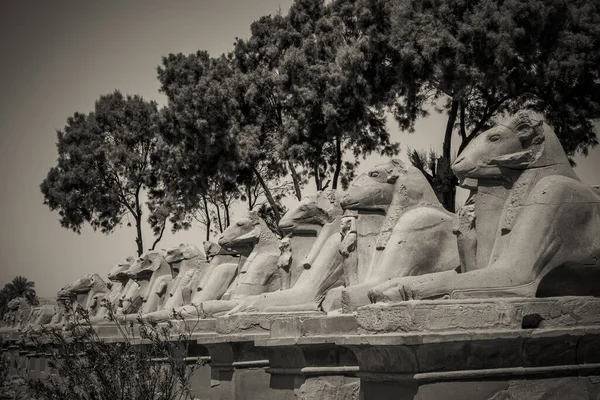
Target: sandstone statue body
(416, 236)
(88, 291)
(545, 237)
(41, 315)
(190, 265)
(212, 284)
(17, 314)
(323, 264)
(152, 274)
(62, 309)
(117, 288)
(259, 273)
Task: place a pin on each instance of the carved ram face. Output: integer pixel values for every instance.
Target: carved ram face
(374, 189)
(315, 209)
(494, 152)
(183, 251)
(244, 231)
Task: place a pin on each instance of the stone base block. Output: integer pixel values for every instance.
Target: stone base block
(480, 314)
(255, 322)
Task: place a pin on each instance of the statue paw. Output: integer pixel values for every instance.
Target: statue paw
(375, 296)
(409, 292)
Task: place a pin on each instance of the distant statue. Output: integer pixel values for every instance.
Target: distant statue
(118, 286)
(323, 267)
(190, 266)
(62, 309)
(89, 291)
(259, 274)
(542, 240)
(40, 315)
(17, 311)
(152, 274)
(213, 283)
(416, 236)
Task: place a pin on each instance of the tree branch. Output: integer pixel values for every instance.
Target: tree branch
(463, 132)
(162, 230)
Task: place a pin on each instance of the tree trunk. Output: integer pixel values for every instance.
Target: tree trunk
(138, 223)
(216, 204)
(160, 235)
(268, 195)
(226, 209)
(338, 161)
(317, 178)
(449, 128)
(139, 240)
(207, 215)
(445, 180)
(296, 180)
(249, 192)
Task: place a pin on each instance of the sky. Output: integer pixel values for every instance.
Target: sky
(58, 57)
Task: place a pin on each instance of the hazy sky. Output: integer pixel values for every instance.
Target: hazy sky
(58, 57)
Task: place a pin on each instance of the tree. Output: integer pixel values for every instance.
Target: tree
(104, 164)
(199, 167)
(480, 59)
(310, 94)
(221, 144)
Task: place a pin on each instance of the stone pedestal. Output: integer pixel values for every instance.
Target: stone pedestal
(238, 367)
(305, 363)
(12, 354)
(480, 350)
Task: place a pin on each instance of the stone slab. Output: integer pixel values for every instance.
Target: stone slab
(254, 322)
(481, 314)
(295, 326)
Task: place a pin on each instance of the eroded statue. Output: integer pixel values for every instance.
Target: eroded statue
(88, 291)
(544, 237)
(41, 315)
(323, 267)
(152, 275)
(18, 311)
(62, 309)
(416, 237)
(190, 265)
(118, 286)
(212, 284)
(259, 273)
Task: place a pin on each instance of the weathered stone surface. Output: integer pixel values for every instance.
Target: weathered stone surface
(211, 285)
(331, 387)
(485, 314)
(87, 292)
(296, 326)
(320, 270)
(252, 322)
(537, 224)
(18, 311)
(190, 266)
(414, 239)
(258, 274)
(118, 289)
(572, 388)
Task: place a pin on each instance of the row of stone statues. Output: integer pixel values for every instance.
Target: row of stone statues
(529, 228)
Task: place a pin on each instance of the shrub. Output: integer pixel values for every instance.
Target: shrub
(149, 363)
